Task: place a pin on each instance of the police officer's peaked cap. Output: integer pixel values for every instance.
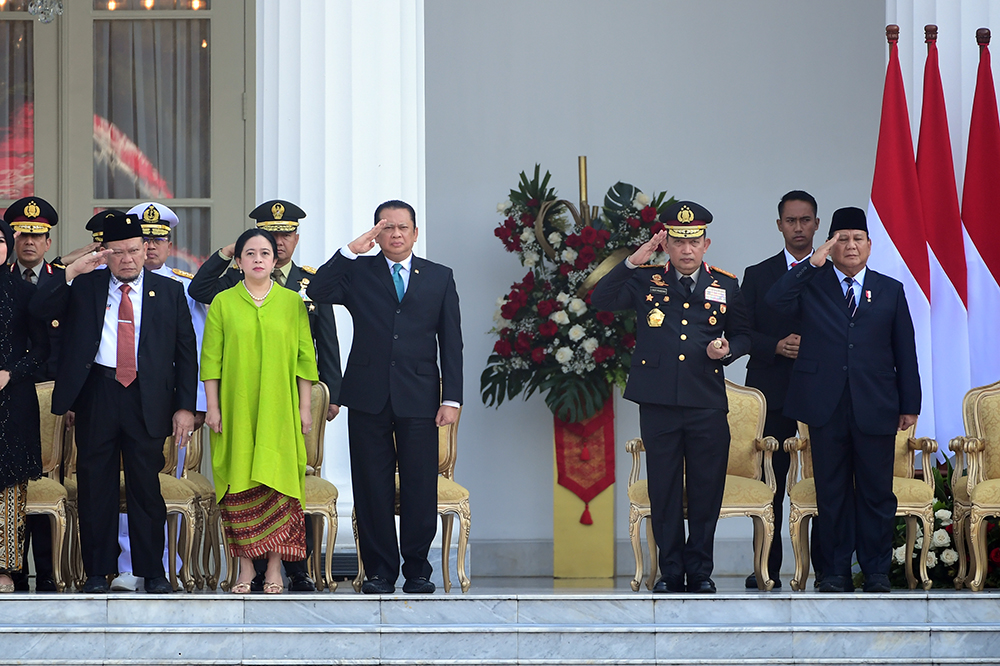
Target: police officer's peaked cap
(31, 215)
(686, 219)
(95, 225)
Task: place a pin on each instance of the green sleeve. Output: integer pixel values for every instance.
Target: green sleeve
(306, 366)
(213, 342)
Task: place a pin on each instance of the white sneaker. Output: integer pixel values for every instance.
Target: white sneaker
(125, 582)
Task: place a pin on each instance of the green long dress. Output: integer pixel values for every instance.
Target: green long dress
(257, 353)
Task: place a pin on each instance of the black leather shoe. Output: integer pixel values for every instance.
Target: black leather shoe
(20, 581)
(376, 585)
(157, 585)
(877, 583)
(751, 582)
(301, 582)
(836, 584)
(96, 585)
(669, 584)
(257, 584)
(45, 584)
(702, 587)
(418, 586)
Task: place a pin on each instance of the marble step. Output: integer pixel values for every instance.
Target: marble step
(553, 628)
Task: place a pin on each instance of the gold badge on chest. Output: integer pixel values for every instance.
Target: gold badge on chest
(654, 318)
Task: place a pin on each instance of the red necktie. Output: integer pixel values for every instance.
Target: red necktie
(125, 373)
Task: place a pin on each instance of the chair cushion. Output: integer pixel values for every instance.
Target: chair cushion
(70, 485)
(200, 482)
(449, 491)
(741, 491)
(176, 490)
(320, 491)
(804, 493)
(960, 489)
(987, 493)
(638, 493)
(911, 491)
(45, 491)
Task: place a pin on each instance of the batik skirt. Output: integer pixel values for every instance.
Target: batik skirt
(261, 521)
(13, 501)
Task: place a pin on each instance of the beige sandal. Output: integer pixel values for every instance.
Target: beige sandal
(240, 588)
(273, 588)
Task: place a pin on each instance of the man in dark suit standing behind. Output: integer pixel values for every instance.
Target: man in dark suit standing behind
(855, 383)
(774, 345)
(406, 315)
(128, 369)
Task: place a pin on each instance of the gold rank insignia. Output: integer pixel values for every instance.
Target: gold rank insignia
(707, 306)
(657, 279)
(277, 210)
(649, 297)
(712, 321)
(32, 210)
(722, 308)
(654, 318)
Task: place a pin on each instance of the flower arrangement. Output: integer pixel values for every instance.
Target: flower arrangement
(549, 339)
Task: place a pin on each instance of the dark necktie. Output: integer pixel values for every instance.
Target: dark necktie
(278, 277)
(688, 283)
(29, 275)
(397, 280)
(852, 303)
(125, 372)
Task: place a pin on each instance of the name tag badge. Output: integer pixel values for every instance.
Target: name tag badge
(715, 294)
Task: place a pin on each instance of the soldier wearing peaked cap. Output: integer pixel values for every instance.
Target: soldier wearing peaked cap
(691, 323)
(855, 382)
(218, 273)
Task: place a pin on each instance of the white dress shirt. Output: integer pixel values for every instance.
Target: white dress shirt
(107, 352)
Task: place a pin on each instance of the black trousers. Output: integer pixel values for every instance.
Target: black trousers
(38, 529)
(854, 495)
(672, 437)
(380, 442)
(110, 427)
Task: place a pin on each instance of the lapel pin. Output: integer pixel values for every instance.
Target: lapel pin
(152, 293)
(868, 295)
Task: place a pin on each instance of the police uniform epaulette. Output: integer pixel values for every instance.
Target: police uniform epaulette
(177, 271)
(716, 269)
(57, 265)
(652, 266)
(308, 269)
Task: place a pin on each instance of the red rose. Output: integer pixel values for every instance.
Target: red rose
(947, 528)
(603, 236)
(995, 555)
(587, 254)
(565, 269)
(605, 317)
(502, 233)
(528, 283)
(657, 228)
(633, 222)
(573, 241)
(547, 307)
(538, 355)
(548, 328)
(527, 219)
(523, 344)
(532, 203)
(648, 214)
(508, 310)
(502, 347)
(515, 244)
(601, 354)
(628, 340)
(588, 235)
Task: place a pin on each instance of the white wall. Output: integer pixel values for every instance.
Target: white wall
(724, 102)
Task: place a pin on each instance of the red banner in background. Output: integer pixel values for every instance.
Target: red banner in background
(585, 455)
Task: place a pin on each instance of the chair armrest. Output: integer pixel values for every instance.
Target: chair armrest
(768, 445)
(928, 447)
(635, 447)
(765, 444)
(796, 444)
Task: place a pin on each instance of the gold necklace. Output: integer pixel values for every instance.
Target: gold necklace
(259, 300)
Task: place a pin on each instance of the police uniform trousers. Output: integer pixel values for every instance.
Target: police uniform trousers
(110, 428)
(699, 437)
(379, 442)
(857, 507)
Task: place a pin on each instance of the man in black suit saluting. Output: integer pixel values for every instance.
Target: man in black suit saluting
(128, 369)
(774, 345)
(406, 315)
(855, 383)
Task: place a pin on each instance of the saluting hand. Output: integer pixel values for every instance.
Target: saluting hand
(646, 250)
(818, 257)
(366, 241)
(79, 252)
(87, 263)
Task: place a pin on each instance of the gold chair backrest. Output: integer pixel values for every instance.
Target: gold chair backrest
(986, 426)
(314, 438)
(448, 447)
(903, 465)
(747, 409)
(51, 431)
(192, 459)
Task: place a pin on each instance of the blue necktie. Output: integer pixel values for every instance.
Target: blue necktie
(852, 303)
(397, 280)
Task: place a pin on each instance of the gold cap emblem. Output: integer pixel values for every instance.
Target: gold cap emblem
(151, 214)
(685, 215)
(32, 210)
(277, 210)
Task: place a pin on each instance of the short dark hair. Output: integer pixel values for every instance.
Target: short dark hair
(396, 203)
(797, 195)
(250, 233)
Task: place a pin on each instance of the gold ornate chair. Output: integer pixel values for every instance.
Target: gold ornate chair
(453, 500)
(749, 490)
(914, 500)
(47, 496)
(982, 446)
(209, 535)
(321, 495)
(75, 574)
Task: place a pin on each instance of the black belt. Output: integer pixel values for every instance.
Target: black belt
(105, 371)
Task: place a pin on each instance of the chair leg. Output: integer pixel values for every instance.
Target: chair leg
(928, 520)
(763, 536)
(798, 534)
(331, 540)
(959, 536)
(187, 547)
(214, 530)
(357, 545)
(464, 526)
(314, 522)
(172, 549)
(911, 539)
(57, 524)
(654, 560)
(633, 534)
(977, 535)
(193, 563)
(447, 522)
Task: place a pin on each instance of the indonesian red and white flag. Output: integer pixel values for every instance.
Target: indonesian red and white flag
(896, 223)
(943, 229)
(981, 215)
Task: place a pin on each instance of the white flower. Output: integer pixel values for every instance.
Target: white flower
(498, 319)
(899, 554)
(555, 239)
(949, 556)
(944, 515)
(931, 559)
(640, 201)
(919, 543)
(563, 298)
(577, 306)
(560, 317)
(589, 345)
(501, 301)
(530, 259)
(527, 235)
(940, 539)
(563, 355)
(569, 255)
(504, 206)
(576, 333)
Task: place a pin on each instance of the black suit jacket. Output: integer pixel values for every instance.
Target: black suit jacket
(167, 358)
(874, 352)
(670, 364)
(47, 370)
(766, 370)
(396, 344)
(216, 275)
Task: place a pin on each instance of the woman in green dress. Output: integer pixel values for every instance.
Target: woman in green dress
(258, 363)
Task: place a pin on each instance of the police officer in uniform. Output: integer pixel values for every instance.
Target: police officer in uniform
(691, 322)
(281, 218)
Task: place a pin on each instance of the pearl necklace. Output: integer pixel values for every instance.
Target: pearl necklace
(261, 299)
